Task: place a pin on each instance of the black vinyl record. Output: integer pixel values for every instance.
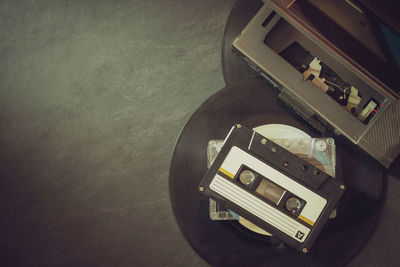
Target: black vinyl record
(252, 103)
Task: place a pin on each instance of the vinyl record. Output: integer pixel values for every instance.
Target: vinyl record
(251, 103)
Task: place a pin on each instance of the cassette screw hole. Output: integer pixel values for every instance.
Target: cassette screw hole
(239, 126)
(316, 172)
(305, 250)
(263, 141)
(273, 149)
(342, 187)
(320, 145)
(201, 189)
(285, 164)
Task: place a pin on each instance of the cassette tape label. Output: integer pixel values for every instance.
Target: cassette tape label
(315, 203)
(259, 208)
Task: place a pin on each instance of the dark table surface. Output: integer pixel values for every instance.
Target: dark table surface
(93, 95)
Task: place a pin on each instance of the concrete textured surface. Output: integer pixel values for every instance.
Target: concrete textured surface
(93, 95)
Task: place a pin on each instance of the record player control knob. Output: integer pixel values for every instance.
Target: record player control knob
(246, 177)
(293, 205)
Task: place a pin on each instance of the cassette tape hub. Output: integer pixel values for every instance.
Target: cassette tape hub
(272, 188)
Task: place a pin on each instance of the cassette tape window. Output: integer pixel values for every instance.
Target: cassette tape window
(270, 191)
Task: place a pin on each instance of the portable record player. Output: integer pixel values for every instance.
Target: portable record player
(332, 65)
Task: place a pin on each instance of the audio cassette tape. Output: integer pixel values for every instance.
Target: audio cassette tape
(320, 152)
(272, 188)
